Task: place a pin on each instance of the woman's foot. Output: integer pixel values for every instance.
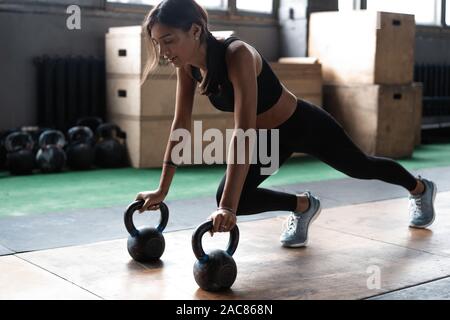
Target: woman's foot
(296, 232)
(421, 205)
(302, 202)
(420, 187)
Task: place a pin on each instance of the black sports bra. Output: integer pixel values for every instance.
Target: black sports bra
(269, 87)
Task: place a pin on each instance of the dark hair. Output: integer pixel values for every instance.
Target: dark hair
(181, 14)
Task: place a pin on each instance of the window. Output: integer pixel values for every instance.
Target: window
(261, 6)
(346, 5)
(425, 11)
(209, 4)
(447, 14)
(149, 2)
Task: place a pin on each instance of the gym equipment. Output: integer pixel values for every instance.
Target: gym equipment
(35, 132)
(216, 270)
(51, 156)
(92, 122)
(3, 152)
(80, 150)
(20, 157)
(145, 244)
(110, 152)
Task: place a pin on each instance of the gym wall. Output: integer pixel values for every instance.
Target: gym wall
(30, 30)
(33, 28)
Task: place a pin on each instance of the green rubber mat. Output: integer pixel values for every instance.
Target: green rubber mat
(43, 193)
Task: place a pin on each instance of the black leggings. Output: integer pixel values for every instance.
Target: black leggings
(314, 131)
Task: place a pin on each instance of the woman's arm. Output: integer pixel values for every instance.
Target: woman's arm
(243, 75)
(182, 120)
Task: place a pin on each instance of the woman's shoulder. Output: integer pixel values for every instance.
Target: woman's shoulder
(240, 50)
(234, 43)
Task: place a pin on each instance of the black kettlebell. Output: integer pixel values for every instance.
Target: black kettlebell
(20, 157)
(92, 122)
(216, 270)
(51, 156)
(35, 132)
(80, 150)
(110, 152)
(145, 244)
(3, 152)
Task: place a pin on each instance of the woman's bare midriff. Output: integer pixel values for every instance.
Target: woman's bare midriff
(278, 113)
(282, 110)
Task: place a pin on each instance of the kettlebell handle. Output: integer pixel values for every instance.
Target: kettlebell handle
(75, 132)
(18, 140)
(52, 137)
(90, 122)
(104, 130)
(205, 227)
(136, 205)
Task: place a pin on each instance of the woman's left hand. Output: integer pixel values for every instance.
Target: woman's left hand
(223, 221)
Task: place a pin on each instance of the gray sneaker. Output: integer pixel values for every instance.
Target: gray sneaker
(296, 231)
(421, 207)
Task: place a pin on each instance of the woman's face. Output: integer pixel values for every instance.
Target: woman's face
(175, 44)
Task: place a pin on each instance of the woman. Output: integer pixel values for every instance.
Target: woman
(238, 79)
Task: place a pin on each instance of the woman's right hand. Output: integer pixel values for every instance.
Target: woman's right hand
(152, 199)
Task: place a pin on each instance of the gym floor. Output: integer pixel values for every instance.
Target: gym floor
(62, 237)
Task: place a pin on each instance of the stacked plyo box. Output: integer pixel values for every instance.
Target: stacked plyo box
(146, 112)
(367, 60)
(302, 76)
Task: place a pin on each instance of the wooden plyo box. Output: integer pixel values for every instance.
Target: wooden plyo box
(125, 50)
(301, 76)
(147, 137)
(363, 47)
(156, 97)
(380, 119)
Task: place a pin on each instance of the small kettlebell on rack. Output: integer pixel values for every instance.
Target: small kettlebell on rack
(110, 149)
(145, 244)
(20, 157)
(216, 270)
(80, 151)
(92, 122)
(51, 156)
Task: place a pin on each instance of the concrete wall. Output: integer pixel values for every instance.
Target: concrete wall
(34, 30)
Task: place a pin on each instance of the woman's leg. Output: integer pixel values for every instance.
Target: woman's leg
(324, 138)
(256, 200)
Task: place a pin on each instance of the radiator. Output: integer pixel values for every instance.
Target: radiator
(69, 88)
(436, 94)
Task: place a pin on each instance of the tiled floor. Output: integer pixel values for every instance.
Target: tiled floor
(355, 252)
